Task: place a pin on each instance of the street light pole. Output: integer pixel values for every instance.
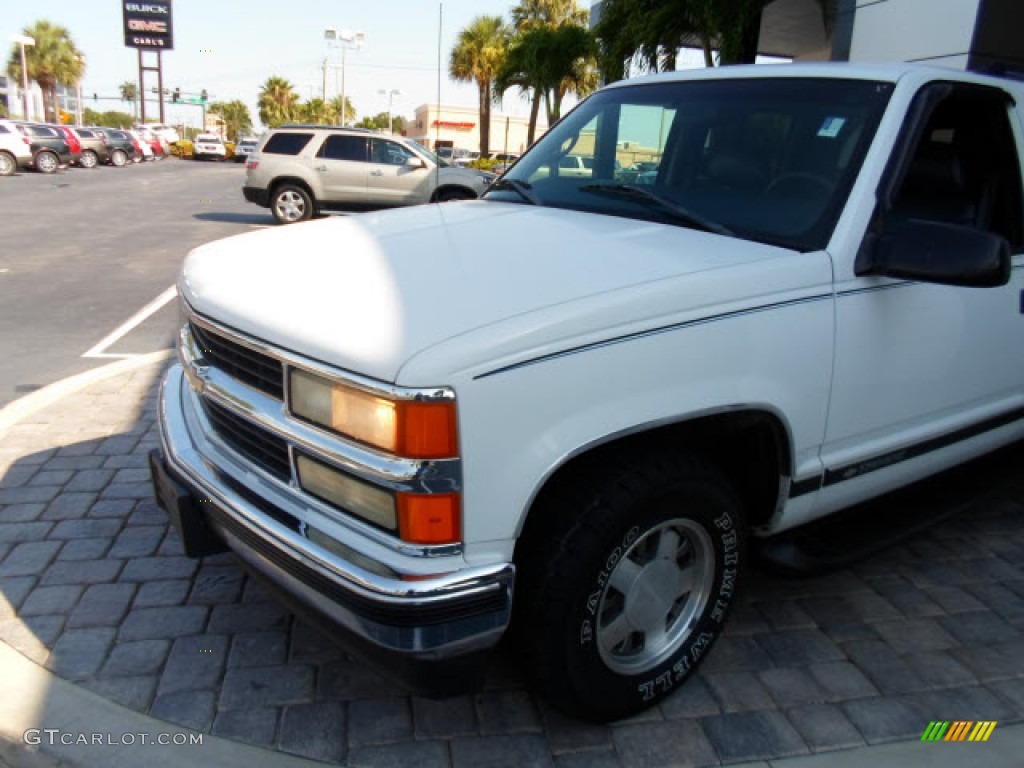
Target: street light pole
(343, 39)
(22, 41)
(390, 94)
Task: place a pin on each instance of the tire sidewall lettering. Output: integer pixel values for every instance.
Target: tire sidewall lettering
(673, 671)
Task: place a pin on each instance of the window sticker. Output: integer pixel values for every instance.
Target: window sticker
(831, 127)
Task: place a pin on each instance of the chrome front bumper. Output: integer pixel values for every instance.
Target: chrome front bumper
(419, 618)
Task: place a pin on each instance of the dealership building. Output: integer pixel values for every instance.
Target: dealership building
(963, 34)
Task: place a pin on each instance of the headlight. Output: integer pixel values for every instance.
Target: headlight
(413, 429)
(419, 518)
(361, 499)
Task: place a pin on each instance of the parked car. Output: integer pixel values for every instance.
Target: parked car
(209, 145)
(166, 132)
(143, 149)
(95, 149)
(120, 144)
(430, 435)
(15, 151)
(463, 157)
(158, 146)
(244, 148)
(302, 170)
(50, 149)
(74, 144)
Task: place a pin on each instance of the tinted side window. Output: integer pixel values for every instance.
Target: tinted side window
(966, 170)
(3, 129)
(287, 143)
(38, 130)
(344, 148)
(84, 134)
(388, 152)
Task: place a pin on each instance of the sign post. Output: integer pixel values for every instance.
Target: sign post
(148, 26)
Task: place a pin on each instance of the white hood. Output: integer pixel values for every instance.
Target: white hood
(368, 293)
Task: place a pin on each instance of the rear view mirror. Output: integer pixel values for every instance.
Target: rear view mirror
(937, 252)
(414, 162)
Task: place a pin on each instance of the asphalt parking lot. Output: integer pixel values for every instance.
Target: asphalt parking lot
(93, 586)
(85, 250)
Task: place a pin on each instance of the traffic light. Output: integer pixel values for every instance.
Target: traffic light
(176, 96)
(202, 96)
(95, 97)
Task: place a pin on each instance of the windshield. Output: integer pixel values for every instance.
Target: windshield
(767, 159)
(432, 156)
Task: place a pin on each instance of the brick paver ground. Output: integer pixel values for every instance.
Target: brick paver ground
(93, 586)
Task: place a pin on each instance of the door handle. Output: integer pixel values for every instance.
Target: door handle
(320, 168)
(376, 173)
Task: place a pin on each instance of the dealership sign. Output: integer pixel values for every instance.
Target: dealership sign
(147, 24)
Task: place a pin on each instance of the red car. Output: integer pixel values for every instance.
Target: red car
(156, 143)
(74, 144)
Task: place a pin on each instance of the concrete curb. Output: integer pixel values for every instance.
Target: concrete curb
(33, 698)
(36, 401)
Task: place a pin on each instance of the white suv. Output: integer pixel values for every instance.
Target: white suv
(15, 151)
(208, 145)
(300, 170)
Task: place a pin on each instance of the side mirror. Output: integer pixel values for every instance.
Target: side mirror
(415, 162)
(937, 252)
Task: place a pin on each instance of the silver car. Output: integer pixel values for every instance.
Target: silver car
(301, 170)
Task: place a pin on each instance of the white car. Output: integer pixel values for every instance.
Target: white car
(592, 394)
(15, 151)
(166, 132)
(208, 145)
(144, 145)
(244, 148)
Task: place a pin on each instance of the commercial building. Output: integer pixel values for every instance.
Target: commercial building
(450, 126)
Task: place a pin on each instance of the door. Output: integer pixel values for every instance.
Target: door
(390, 180)
(921, 368)
(341, 166)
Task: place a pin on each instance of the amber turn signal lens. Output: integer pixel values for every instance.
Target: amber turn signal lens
(429, 518)
(426, 430)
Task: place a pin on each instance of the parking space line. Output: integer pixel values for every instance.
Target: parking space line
(100, 350)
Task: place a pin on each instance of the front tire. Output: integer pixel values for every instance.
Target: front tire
(628, 570)
(119, 158)
(8, 165)
(47, 162)
(291, 204)
(88, 159)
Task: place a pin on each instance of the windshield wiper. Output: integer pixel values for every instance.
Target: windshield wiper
(522, 188)
(677, 212)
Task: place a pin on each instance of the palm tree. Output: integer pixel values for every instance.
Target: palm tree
(478, 56)
(236, 117)
(53, 60)
(651, 32)
(129, 92)
(526, 17)
(317, 111)
(278, 102)
(552, 61)
(334, 107)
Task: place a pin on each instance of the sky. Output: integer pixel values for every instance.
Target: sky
(230, 47)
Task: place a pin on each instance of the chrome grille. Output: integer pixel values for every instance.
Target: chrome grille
(259, 371)
(258, 445)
